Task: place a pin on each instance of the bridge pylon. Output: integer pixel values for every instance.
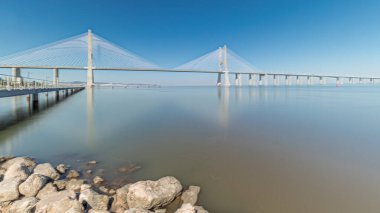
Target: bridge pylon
(90, 71)
(225, 66)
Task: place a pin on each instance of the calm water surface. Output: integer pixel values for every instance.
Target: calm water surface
(267, 150)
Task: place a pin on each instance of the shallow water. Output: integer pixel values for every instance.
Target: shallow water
(276, 149)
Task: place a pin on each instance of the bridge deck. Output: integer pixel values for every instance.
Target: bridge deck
(17, 92)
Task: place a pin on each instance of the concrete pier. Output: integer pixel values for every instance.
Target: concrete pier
(252, 79)
(287, 80)
(55, 77)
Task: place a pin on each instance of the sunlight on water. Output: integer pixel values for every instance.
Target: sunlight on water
(275, 149)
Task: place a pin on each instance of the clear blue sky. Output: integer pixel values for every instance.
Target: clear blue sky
(325, 36)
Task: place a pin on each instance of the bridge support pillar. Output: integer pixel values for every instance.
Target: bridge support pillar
(35, 100)
(252, 79)
(219, 81)
(56, 96)
(238, 80)
(275, 80)
(55, 77)
(360, 80)
(287, 80)
(297, 80)
(350, 81)
(308, 80)
(227, 78)
(321, 80)
(338, 83)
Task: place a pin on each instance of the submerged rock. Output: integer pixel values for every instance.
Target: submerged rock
(17, 171)
(31, 186)
(93, 199)
(98, 180)
(191, 195)
(73, 174)
(92, 162)
(48, 170)
(9, 190)
(25, 205)
(153, 194)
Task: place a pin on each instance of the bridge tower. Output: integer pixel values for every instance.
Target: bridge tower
(90, 72)
(225, 66)
(220, 63)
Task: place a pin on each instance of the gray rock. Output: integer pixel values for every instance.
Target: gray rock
(72, 174)
(104, 189)
(120, 203)
(61, 184)
(31, 186)
(153, 194)
(200, 209)
(25, 205)
(137, 210)
(48, 170)
(46, 191)
(186, 208)
(28, 162)
(191, 195)
(98, 180)
(96, 211)
(160, 211)
(95, 200)
(9, 190)
(61, 168)
(17, 171)
(4, 206)
(60, 202)
(74, 184)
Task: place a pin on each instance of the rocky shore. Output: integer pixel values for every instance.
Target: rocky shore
(27, 186)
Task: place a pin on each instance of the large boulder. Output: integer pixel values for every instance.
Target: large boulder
(60, 184)
(191, 195)
(31, 186)
(188, 208)
(46, 191)
(61, 168)
(25, 205)
(137, 210)
(28, 162)
(153, 194)
(48, 170)
(74, 184)
(9, 190)
(59, 202)
(93, 199)
(17, 171)
(120, 203)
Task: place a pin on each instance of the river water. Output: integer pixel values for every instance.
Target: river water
(268, 150)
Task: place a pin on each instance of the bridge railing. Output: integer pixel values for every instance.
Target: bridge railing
(9, 82)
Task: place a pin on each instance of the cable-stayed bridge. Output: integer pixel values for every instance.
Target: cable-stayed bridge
(91, 52)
